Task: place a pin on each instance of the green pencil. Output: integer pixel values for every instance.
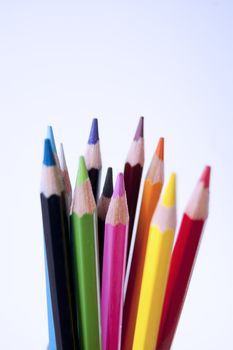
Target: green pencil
(85, 261)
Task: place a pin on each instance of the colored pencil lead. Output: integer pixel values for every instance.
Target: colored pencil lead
(50, 135)
(169, 195)
(82, 174)
(48, 154)
(93, 159)
(140, 129)
(205, 176)
(94, 132)
(119, 189)
(108, 184)
(160, 149)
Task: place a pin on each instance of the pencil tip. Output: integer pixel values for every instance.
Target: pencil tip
(205, 176)
(169, 195)
(62, 157)
(50, 136)
(160, 149)
(108, 184)
(140, 129)
(119, 188)
(82, 174)
(48, 154)
(94, 133)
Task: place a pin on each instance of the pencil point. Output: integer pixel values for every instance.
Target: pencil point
(50, 136)
(108, 184)
(169, 194)
(119, 188)
(205, 176)
(160, 149)
(94, 133)
(62, 157)
(48, 154)
(140, 129)
(82, 174)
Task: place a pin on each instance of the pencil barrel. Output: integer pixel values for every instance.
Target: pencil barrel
(86, 280)
(56, 242)
(115, 246)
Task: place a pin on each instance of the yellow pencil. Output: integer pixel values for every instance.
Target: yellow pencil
(155, 272)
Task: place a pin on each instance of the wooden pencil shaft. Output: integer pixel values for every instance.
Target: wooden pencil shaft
(156, 267)
(101, 224)
(182, 264)
(153, 288)
(57, 245)
(150, 197)
(51, 330)
(115, 245)
(86, 280)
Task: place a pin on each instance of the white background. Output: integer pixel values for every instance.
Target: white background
(62, 63)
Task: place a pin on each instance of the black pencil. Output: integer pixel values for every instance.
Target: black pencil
(102, 209)
(56, 237)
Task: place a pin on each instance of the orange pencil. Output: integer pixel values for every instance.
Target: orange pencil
(151, 192)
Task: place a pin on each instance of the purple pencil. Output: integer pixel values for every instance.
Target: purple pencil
(114, 261)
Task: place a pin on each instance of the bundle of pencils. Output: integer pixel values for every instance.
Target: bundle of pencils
(113, 282)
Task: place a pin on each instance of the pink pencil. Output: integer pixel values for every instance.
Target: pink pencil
(114, 261)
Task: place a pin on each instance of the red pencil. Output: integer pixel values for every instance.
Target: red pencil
(183, 260)
(133, 173)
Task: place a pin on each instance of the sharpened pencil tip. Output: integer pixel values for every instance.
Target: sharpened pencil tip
(62, 157)
(160, 149)
(119, 188)
(140, 129)
(205, 176)
(62, 150)
(50, 136)
(169, 194)
(108, 184)
(94, 133)
(82, 174)
(48, 154)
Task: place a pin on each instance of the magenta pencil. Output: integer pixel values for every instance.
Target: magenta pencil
(114, 261)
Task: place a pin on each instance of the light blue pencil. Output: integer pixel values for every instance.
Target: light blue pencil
(52, 339)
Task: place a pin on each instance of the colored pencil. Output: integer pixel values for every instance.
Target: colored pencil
(57, 251)
(102, 209)
(93, 158)
(155, 272)
(66, 178)
(133, 173)
(115, 248)
(52, 340)
(183, 259)
(151, 192)
(51, 330)
(85, 261)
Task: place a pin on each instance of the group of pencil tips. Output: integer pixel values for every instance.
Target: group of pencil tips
(92, 242)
